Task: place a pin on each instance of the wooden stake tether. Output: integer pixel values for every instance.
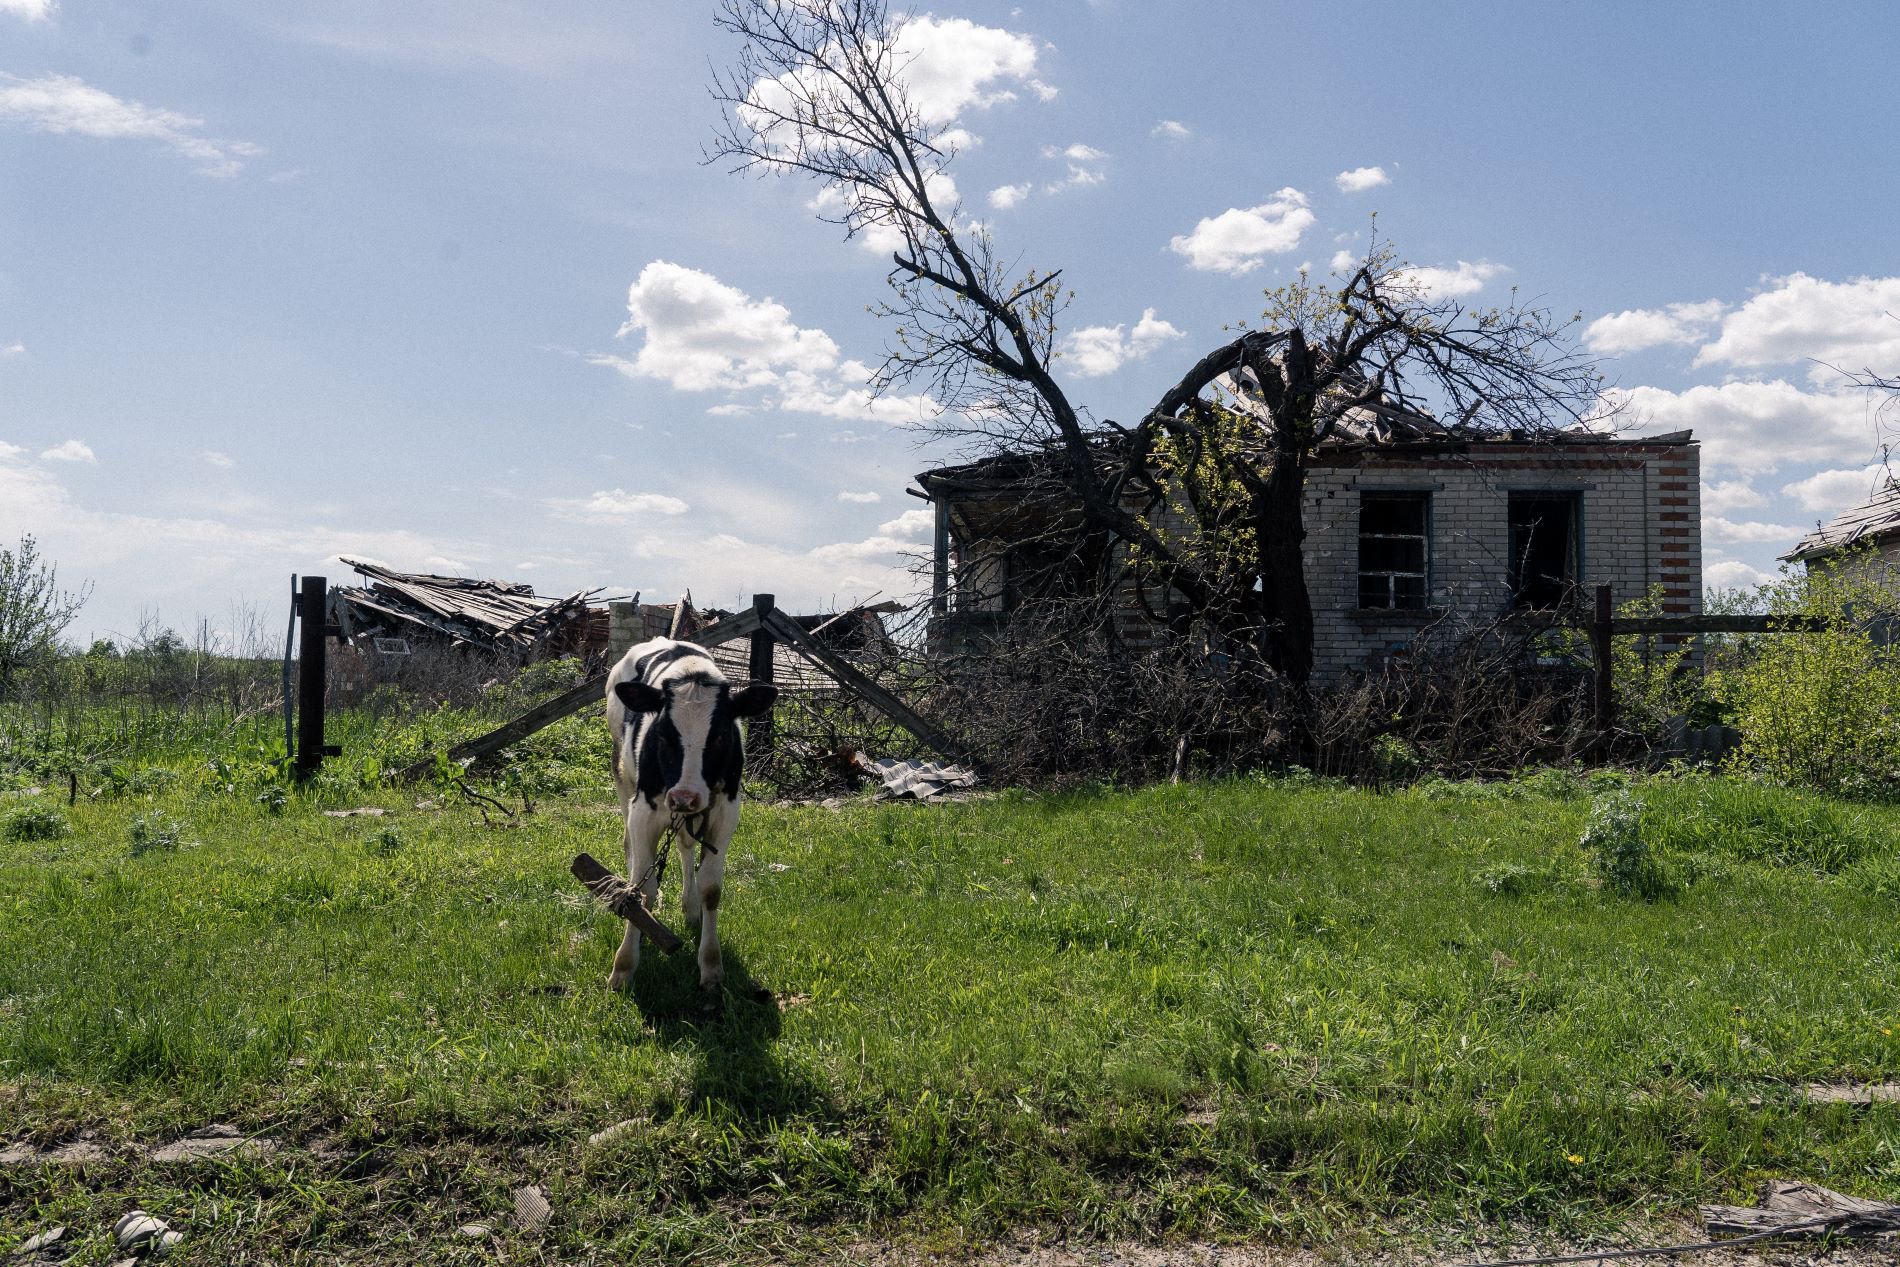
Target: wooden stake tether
(623, 900)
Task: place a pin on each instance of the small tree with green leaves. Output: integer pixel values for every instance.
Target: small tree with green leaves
(1822, 710)
(34, 610)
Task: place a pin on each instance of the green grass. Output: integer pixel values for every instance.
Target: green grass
(1234, 1010)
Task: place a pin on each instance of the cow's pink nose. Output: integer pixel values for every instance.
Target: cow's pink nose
(683, 799)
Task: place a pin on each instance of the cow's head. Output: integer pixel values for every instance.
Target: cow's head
(691, 746)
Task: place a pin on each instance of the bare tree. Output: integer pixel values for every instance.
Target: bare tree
(818, 89)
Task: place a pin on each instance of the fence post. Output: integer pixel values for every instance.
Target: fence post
(759, 734)
(1605, 698)
(314, 622)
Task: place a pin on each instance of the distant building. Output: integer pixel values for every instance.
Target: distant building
(1868, 530)
(1407, 523)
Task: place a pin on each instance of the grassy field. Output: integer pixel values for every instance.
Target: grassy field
(1247, 1009)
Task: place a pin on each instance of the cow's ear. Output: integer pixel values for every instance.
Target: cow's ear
(755, 700)
(640, 697)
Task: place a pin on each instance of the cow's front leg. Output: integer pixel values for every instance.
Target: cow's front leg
(689, 876)
(644, 825)
(711, 880)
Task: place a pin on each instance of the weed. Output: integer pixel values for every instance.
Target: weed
(156, 832)
(1614, 841)
(1519, 879)
(35, 822)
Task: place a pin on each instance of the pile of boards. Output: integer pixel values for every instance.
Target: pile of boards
(462, 612)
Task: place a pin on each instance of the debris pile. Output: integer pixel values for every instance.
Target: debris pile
(394, 607)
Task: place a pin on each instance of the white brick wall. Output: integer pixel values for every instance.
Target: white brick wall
(1639, 516)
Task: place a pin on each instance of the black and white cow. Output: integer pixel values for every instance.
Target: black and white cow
(678, 754)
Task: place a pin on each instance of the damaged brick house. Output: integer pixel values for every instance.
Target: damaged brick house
(1408, 523)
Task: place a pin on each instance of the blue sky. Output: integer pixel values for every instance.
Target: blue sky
(445, 283)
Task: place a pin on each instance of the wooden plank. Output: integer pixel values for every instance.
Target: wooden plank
(1717, 624)
(1814, 1209)
(1602, 665)
(567, 703)
(848, 677)
(623, 899)
(313, 614)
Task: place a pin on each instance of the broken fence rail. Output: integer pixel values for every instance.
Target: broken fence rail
(763, 617)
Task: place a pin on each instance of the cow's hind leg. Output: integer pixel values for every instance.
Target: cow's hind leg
(644, 825)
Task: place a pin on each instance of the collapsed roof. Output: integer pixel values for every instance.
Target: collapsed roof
(495, 615)
(1864, 523)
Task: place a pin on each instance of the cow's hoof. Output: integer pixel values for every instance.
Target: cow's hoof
(620, 982)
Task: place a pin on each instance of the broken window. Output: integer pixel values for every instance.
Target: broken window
(1543, 549)
(1394, 549)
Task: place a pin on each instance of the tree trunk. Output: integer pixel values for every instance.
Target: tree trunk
(1285, 607)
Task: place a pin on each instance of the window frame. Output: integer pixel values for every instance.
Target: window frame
(1389, 577)
(1572, 576)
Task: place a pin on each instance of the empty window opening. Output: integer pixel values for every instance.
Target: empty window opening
(1394, 550)
(1543, 549)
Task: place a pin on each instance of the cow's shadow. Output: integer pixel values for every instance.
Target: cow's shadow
(734, 1033)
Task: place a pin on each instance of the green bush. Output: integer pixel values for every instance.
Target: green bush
(35, 822)
(1820, 710)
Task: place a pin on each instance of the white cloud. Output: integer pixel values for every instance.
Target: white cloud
(952, 65)
(1829, 492)
(894, 537)
(1731, 495)
(70, 451)
(1239, 239)
(729, 568)
(30, 10)
(1003, 197)
(614, 506)
(911, 523)
(864, 499)
(62, 104)
(448, 566)
(8, 451)
(1170, 129)
(223, 461)
(1082, 172)
(1754, 427)
(1344, 261)
(1853, 325)
(1640, 328)
(182, 559)
(1746, 532)
(846, 395)
(1360, 179)
(701, 334)
(1099, 350)
(1732, 574)
(11, 350)
(1451, 283)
